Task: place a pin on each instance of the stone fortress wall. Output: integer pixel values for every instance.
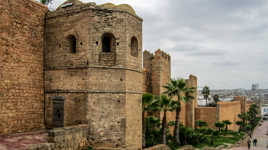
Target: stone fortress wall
(91, 57)
(157, 73)
(100, 78)
(229, 111)
(21, 66)
(207, 114)
(223, 111)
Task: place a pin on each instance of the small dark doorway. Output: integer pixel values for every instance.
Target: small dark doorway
(108, 42)
(134, 47)
(72, 43)
(58, 111)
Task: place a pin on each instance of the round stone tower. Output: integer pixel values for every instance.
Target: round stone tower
(93, 60)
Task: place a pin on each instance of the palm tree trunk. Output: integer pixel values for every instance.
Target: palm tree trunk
(177, 123)
(212, 140)
(143, 129)
(164, 128)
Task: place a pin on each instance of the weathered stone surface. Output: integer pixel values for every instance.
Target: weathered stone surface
(207, 114)
(101, 88)
(67, 138)
(229, 111)
(223, 111)
(21, 66)
(101, 82)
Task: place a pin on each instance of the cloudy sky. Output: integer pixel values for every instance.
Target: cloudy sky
(223, 42)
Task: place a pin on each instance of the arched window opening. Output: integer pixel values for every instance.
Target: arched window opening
(134, 46)
(108, 43)
(72, 43)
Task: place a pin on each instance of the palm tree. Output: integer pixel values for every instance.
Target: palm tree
(240, 124)
(147, 101)
(216, 98)
(226, 123)
(178, 88)
(188, 94)
(206, 93)
(201, 123)
(252, 116)
(214, 135)
(219, 125)
(152, 131)
(244, 118)
(165, 104)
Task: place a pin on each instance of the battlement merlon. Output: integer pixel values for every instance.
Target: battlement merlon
(161, 54)
(192, 77)
(76, 6)
(192, 81)
(148, 54)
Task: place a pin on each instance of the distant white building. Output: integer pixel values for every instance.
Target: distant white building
(264, 110)
(265, 100)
